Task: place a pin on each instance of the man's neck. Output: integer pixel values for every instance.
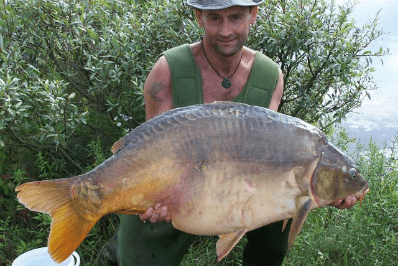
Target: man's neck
(225, 65)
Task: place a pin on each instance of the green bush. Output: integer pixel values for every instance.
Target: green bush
(68, 68)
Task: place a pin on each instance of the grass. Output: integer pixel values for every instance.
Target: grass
(366, 235)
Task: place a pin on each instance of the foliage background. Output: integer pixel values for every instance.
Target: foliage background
(72, 75)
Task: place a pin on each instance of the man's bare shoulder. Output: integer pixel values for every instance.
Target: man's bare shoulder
(196, 48)
(161, 65)
(248, 57)
(249, 51)
(157, 89)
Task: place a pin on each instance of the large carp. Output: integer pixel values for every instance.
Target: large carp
(221, 169)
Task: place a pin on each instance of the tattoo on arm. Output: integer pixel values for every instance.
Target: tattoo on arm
(155, 89)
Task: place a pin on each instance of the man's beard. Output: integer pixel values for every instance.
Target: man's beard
(230, 51)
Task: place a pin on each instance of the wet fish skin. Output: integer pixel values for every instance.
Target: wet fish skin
(222, 169)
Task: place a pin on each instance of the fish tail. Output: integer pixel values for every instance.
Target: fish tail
(68, 227)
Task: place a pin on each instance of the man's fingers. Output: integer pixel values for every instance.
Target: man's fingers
(349, 202)
(146, 215)
(337, 203)
(156, 214)
(155, 217)
(163, 212)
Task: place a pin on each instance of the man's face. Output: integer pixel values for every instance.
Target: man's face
(227, 30)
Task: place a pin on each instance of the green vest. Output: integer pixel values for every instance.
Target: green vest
(187, 79)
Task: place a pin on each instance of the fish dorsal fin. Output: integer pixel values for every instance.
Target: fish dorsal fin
(299, 218)
(227, 242)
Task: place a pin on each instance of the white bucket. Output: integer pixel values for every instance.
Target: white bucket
(40, 257)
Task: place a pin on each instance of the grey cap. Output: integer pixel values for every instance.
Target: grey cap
(221, 4)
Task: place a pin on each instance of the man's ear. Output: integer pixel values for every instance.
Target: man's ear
(199, 14)
(253, 13)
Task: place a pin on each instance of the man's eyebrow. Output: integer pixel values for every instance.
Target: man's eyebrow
(232, 14)
(213, 14)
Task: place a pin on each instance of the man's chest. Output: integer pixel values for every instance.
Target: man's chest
(213, 89)
(212, 82)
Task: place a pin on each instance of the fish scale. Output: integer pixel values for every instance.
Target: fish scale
(221, 169)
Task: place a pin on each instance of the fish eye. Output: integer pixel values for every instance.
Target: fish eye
(352, 172)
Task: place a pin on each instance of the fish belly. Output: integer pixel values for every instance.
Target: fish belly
(229, 195)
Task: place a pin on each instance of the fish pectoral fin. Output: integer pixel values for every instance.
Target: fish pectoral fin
(299, 219)
(227, 242)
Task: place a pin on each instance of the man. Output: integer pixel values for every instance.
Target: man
(217, 68)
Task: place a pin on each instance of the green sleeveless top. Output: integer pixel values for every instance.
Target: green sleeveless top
(187, 79)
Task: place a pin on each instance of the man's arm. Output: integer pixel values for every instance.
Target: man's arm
(277, 95)
(157, 89)
(158, 99)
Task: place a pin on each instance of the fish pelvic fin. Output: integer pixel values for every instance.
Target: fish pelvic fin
(68, 226)
(227, 242)
(299, 219)
(284, 224)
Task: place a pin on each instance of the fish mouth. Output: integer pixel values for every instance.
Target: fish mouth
(361, 194)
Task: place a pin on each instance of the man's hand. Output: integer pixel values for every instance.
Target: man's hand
(347, 203)
(156, 214)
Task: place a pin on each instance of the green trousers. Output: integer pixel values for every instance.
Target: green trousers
(150, 244)
(161, 244)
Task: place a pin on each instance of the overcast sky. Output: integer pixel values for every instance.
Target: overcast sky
(380, 114)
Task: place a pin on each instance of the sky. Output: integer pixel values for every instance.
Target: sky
(378, 117)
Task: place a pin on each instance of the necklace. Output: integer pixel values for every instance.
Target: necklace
(226, 83)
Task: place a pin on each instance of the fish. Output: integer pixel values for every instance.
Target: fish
(221, 168)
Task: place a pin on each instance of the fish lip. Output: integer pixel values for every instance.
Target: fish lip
(362, 193)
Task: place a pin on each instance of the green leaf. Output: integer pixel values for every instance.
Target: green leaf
(12, 113)
(1, 43)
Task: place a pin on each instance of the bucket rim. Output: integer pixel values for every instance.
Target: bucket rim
(72, 260)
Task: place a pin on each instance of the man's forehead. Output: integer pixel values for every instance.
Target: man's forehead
(229, 10)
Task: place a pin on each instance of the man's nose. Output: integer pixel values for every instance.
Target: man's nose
(226, 29)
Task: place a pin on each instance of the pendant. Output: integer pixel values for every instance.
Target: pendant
(226, 83)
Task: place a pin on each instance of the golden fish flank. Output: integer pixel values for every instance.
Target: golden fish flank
(222, 168)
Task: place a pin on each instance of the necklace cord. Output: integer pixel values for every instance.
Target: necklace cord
(226, 82)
